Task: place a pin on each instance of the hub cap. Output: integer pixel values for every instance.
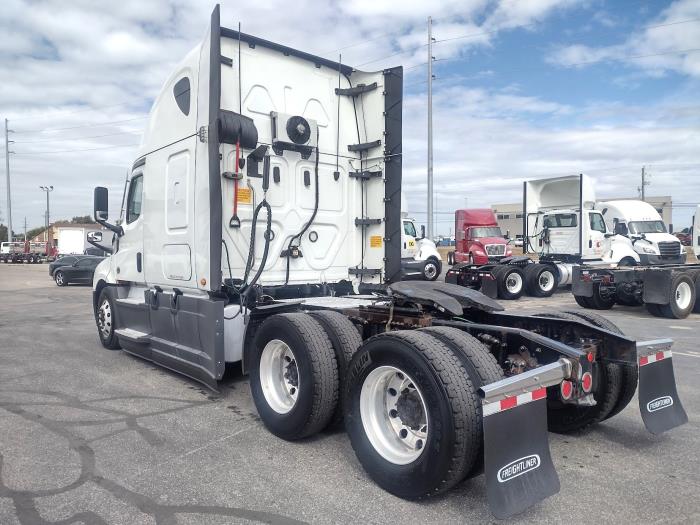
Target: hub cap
(683, 296)
(514, 282)
(394, 415)
(104, 319)
(279, 376)
(430, 270)
(546, 281)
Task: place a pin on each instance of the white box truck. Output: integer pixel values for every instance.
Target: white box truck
(263, 227)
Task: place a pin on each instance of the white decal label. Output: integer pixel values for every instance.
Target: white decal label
(518, 468)
(659, 403)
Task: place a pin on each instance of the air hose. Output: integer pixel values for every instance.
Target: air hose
(311, 219)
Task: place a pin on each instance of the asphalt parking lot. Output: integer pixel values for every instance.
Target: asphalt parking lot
(93, 436)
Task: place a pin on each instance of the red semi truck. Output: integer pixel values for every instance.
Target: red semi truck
(478, 238)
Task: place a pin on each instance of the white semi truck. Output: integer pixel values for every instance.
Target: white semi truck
(639, 222)
(263, 227)
(419, 255)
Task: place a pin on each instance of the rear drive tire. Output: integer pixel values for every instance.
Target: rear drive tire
(346, 340)
(481, 366)
(696, 308)
(293, 376)
(425, 443)
(564, 418)
(682, 298)
(629, 373)
(450, 258)
(598, 302)
(510, 281)
(541, 280)
(104, 318)
(60, 278)
(585, 302)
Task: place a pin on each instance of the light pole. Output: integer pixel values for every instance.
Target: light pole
(47, 189)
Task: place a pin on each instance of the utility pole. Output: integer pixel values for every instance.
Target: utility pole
(430, 128)
(7, 173)
(47, 189)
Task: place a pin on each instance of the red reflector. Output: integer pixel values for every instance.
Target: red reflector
(509, 402)
(587, 382)
(590, 357)
(643, 361)
(566, 389)
(540, 393)
(659, 356)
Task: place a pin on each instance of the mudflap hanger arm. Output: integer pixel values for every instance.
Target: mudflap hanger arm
(517, 462)
(659, 403)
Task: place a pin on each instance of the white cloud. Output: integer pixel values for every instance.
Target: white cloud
(653, 49)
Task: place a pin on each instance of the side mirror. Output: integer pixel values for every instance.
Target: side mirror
(101, 204)
(422, 231)
(94, 237)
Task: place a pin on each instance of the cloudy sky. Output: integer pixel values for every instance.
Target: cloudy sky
(524, 89)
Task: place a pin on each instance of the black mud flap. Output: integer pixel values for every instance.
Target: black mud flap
(517, 462)
(489, 287)
(659, 403)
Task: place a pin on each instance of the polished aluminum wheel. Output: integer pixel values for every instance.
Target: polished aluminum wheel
(394, 415)
(60, 281)
(430, 270)
(104, 319)
(279, 376)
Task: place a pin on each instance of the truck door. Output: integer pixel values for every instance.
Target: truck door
(594, 241)
(128, 259)
(408, 240)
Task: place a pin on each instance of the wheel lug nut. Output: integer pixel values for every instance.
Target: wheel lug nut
(403, 433)
(393, 412)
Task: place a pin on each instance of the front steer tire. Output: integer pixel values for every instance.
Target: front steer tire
(451, 442)
(309, 378)
(104, 319)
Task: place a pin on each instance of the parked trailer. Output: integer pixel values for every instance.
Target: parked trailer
(434, 382)
(23, 252)
(665, 291)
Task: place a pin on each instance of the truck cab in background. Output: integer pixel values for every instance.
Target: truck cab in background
(643, 226)
(479, 239)
(419, 255)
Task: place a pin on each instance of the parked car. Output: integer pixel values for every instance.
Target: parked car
(64, 260)
(81, 271)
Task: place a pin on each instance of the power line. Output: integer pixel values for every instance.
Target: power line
(95, 124)
(39, 153)
(79, 138)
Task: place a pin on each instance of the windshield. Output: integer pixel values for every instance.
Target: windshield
(561, 220)
(485, 231)
(647, 227)
(409, 228)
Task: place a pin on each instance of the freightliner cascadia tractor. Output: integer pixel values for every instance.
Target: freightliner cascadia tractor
(262, 225)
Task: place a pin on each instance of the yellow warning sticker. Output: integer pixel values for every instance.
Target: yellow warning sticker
(245, 196)
(411, 243)
(375, 241)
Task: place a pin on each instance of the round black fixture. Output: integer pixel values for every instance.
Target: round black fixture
(313, 236)
(298, 130)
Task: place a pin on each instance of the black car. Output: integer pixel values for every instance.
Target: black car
(65, 260)
(81, 271)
